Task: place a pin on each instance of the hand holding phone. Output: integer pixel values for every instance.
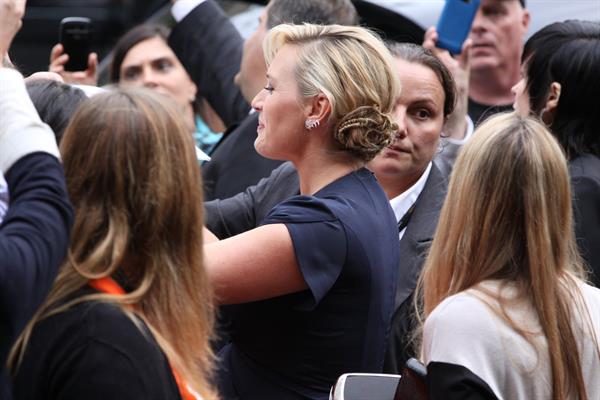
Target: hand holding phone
(73, 53)
(75, 36)
(455, 23)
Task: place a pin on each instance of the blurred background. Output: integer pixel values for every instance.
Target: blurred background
(403, 20)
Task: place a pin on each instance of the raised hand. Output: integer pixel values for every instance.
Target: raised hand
(11, 12)
(58, 59)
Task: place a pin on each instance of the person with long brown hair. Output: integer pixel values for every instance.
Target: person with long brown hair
(130, 314)
(507, 311)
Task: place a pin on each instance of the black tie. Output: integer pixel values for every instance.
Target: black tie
(405, 218)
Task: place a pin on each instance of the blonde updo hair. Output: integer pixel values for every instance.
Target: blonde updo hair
(354, 69)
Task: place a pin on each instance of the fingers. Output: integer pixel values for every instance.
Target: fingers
(430, 43)
(58, 65)
(464, 58)
(11, 12)
(92, 64)
(20, 7)
(431, 37)
(56, 51)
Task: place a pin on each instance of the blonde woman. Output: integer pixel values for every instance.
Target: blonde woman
(508, 313)
(318, 275)
(130, 314)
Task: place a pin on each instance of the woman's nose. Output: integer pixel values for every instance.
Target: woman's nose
(257, 101)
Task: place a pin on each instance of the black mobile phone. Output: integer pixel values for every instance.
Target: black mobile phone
(76, 35)
(455, 23)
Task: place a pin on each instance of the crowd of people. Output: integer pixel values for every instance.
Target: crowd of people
(235, 219)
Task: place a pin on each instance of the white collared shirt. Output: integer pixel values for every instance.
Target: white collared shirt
(404, 201)
(182, 8)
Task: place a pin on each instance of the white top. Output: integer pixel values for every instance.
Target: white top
(464, 330)
(405, 200)
(182, 8)
(21, 130)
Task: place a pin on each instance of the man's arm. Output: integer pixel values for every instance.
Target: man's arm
(210, 48)
(245, 210)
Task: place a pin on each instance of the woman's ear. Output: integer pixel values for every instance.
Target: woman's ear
(549, 110)
(553, 97)
(318, 108)
(192, 91)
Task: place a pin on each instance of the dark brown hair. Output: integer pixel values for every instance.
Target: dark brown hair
(413, 53)
(130, 39)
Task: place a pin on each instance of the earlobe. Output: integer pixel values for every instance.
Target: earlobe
(553, 97)
(192, 92)
(547, 114)
(319, 108)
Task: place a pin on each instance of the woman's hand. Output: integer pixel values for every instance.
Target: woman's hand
(11, 12)
(58, 59)
(460, 68)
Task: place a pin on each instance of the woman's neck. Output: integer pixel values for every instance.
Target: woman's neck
(321, 168)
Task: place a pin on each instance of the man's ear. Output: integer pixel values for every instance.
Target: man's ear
(318, 108)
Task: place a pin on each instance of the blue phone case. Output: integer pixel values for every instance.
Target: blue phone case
(455, 23)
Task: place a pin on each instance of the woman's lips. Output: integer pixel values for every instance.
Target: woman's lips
(398, 149)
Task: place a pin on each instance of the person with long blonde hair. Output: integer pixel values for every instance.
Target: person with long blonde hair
(318, 276)
(507, 311)
(130, 314)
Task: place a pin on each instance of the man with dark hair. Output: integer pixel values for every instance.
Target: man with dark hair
(322, 12)
(497, 32)
(214, 53)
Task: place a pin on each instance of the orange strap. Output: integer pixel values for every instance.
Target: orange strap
(109, 286)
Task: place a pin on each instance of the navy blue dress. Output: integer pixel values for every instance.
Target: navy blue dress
(295, 346)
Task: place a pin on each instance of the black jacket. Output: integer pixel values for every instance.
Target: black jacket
(210, 48)
(34, 238)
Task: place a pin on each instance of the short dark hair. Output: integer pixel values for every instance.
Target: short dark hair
(568, 53)
(322, 12)
(413, 53)
(128, 40)
(55, 102)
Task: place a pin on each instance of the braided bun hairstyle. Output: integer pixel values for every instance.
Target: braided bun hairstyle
(354, 69)
(365, 131)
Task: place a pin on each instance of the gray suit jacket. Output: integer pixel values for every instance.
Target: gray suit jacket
(245, 210)
(413, 252)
